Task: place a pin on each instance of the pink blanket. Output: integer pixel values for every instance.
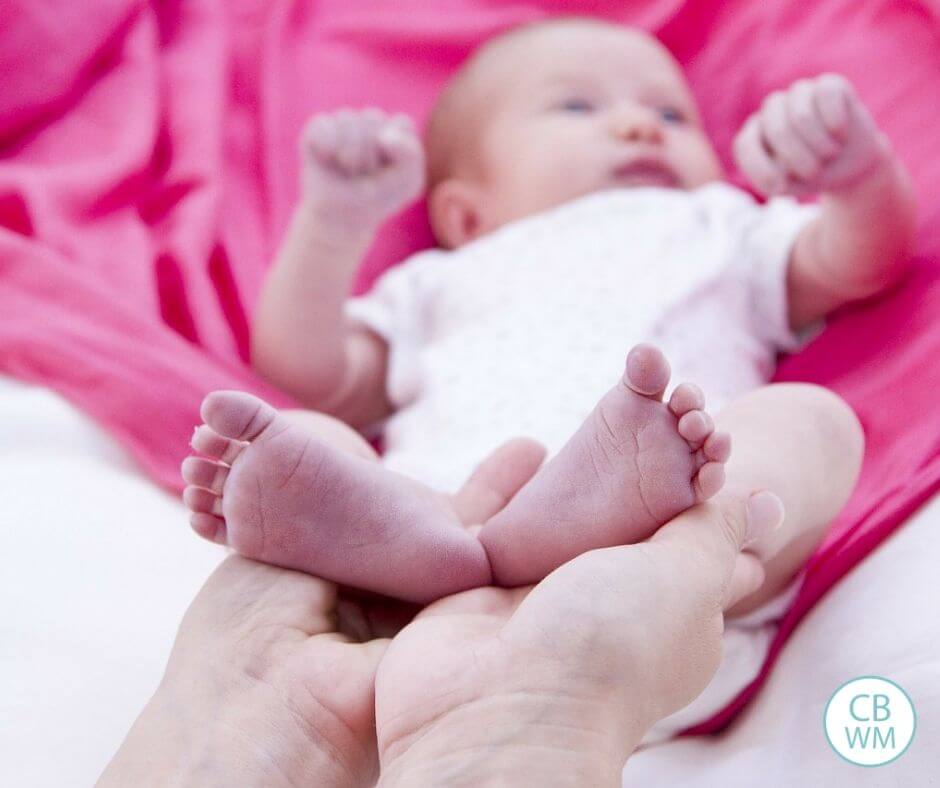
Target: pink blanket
(148, 167)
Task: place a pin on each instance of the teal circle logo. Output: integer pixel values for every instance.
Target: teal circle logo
(870, 721)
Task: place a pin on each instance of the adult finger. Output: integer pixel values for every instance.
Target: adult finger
(655, 608)
(746, 577)
(497, 479)
(705, 550)
(242, 594)
(732, 525)
(686, 569)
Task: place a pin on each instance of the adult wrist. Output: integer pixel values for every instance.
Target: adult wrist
(200, 733)
(524, 739)
(156, 751)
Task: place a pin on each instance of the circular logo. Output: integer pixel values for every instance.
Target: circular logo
(870, 721)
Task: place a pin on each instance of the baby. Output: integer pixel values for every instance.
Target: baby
(581, 209)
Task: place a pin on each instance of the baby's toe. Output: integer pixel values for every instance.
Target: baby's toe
(709, 480)
(204, 473)
(209, 443)
(198, 499)
(208, 526)
(695, 426)
(647, 371)
(717, 447)
(236, 414)
(686, 397)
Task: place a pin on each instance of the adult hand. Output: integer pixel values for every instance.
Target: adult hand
(262, 689)
(558, 684)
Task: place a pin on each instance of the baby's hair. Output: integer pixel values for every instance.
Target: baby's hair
(454, 127)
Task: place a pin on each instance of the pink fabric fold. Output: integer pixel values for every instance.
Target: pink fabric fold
(148, 166)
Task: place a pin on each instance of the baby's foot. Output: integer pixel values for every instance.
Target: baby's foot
(632, 466)
(275, 493)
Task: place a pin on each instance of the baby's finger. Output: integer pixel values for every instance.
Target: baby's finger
(321, 137)
(398, 128)
(374, 120)
(831, 95)
(797, 187)
(402, 121)
(398, 143)
(350, 150)
(801, 110)
(782, 139)
(367, 127)
(754, 161)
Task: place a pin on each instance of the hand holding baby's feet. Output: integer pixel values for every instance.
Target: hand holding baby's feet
(361, 166)
(814, 136)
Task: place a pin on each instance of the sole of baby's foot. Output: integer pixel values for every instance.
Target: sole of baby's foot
(273, 492)
(634, 464)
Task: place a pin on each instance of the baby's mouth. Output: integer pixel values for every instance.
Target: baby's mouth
(646, 172)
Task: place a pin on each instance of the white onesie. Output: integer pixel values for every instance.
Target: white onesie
(522, 331)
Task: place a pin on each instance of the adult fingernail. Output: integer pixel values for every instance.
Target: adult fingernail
(764, 512)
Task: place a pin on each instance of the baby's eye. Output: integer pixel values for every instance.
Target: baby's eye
(671, 115)
(576, 104)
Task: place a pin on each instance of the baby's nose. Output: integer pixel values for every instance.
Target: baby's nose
(637, 124)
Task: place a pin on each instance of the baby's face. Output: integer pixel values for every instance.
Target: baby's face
(581, 108)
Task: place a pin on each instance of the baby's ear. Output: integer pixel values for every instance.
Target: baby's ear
(455, 209)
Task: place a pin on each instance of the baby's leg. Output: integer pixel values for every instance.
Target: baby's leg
(304, 492)
(634, 464)
(805, 444)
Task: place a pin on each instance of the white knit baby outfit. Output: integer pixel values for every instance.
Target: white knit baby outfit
(522, 331)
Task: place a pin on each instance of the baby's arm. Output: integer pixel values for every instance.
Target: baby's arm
(817, 136)
(359, 168)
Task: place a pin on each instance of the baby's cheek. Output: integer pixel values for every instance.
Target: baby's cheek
(546, 180)
(700, 163)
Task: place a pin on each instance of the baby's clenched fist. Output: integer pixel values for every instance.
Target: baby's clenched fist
(361, 166)
(814, 136)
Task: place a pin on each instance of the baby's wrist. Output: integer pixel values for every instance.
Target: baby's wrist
(340, 224)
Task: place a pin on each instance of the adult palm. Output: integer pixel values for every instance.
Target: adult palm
(575, 669)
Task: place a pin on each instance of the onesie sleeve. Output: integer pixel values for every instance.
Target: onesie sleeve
(395, 309)
(767, 236)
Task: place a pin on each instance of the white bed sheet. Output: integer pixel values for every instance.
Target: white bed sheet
(99, 566)
(882, 619)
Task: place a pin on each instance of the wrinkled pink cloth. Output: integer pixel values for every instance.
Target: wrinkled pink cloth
(148, 165)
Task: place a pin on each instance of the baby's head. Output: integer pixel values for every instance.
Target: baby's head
(555, 110)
